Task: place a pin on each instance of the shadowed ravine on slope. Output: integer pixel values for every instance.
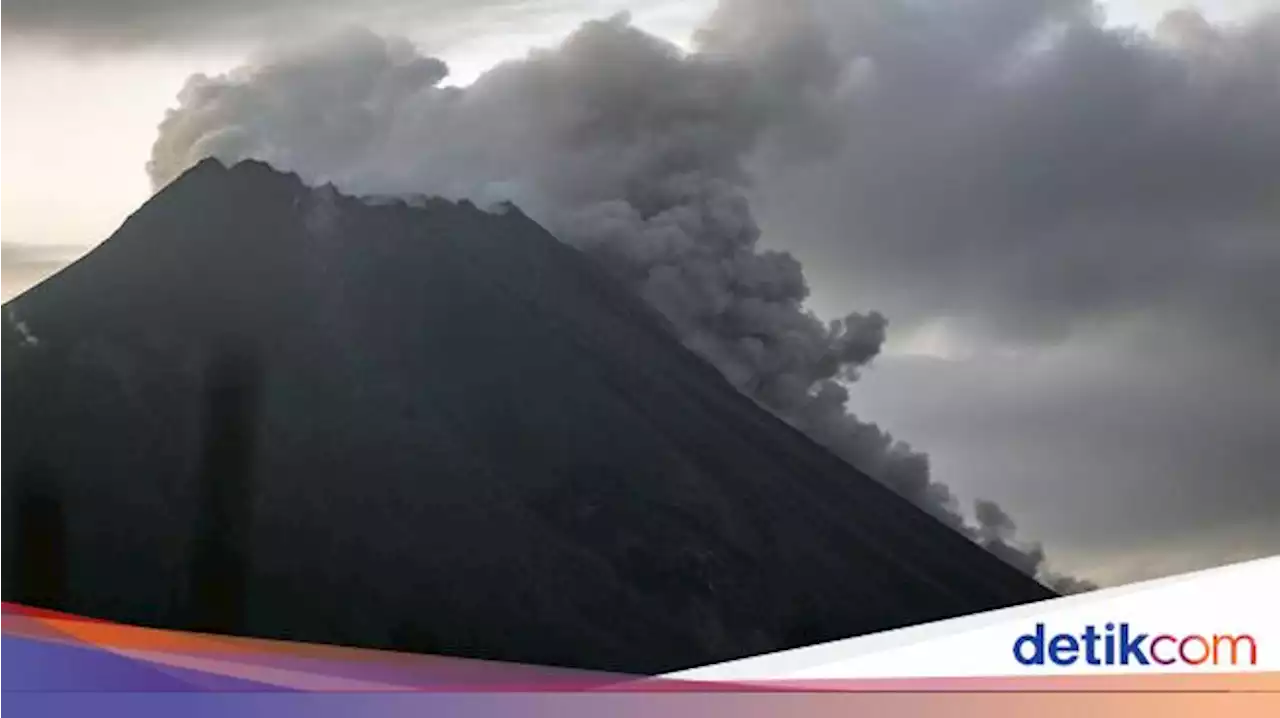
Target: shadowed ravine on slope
(271, 410)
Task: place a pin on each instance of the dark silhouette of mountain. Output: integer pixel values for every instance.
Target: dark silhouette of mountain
(266, 409)
(39, 529)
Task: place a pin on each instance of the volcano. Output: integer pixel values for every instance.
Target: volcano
(267, 409)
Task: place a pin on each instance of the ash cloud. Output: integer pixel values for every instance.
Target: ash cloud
(995, 532)
(624, 146)
(1033, 182)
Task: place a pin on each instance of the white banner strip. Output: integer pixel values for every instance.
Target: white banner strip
(1223, 620)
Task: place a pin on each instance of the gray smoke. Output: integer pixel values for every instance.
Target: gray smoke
(995, 532)
(623, 146)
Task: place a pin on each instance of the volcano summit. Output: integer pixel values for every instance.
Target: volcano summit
(272, 410)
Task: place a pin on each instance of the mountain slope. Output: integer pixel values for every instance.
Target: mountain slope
(273, 410)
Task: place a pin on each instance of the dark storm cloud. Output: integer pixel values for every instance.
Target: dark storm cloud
(113, 24)
(126, 22)
(1016, 163)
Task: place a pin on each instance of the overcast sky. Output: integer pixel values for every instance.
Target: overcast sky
(1075, 247)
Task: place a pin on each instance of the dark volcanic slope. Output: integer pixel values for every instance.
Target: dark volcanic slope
(265, 409)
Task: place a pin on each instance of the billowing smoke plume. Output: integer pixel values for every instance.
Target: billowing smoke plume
(627, 148)
(995, 532)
